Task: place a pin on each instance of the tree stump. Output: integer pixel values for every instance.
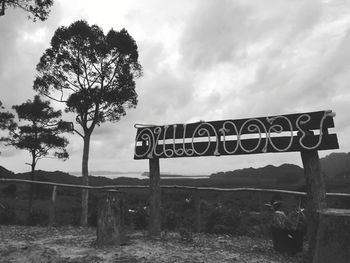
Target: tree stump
(333, 237)
(110, 223)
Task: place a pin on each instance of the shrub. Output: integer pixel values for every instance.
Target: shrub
(140, 218)
(254, 224)
(223, 217)
(171, 220)
(7, 216)
(186, 234)
(38, 217)
(221, 229)
(10, 190)
(92, 218)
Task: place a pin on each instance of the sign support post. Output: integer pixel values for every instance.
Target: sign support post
(316, 196)
(155, 197)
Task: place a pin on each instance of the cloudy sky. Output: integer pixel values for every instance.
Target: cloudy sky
(202, 60)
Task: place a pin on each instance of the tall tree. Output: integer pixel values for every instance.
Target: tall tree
(37, 9)
(39, 132)
(93, 74)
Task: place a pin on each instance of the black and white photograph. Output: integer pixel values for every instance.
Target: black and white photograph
(150, 131)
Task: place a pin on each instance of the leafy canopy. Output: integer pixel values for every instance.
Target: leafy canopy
(37, 9)
(91, 72)
(40, 130)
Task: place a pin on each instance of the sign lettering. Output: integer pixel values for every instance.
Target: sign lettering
(284, 133)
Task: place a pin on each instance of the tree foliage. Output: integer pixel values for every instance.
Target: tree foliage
(40, 130)
(37, 9)
(91, 72)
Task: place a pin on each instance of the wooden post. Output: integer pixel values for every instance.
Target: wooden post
(110, 228)
(316, 196)
(53, 206)
(197, 205)
(333, 237)
(155, 198)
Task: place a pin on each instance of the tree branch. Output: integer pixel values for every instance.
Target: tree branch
(75, 130)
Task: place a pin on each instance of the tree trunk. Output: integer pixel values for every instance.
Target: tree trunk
(316, 196)
(85, 181)
(52, 209)
(110, 224)
(31, 190)
(155, 198)
(333, 238)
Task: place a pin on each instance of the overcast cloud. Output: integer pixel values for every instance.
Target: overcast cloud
(202, 60)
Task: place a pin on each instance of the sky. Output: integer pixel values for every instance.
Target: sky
(202, 60)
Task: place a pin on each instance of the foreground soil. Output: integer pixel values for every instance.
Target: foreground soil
(72, 244)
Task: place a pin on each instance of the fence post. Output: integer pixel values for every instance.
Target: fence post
(316, 195)
(155, 198)
(53, 206)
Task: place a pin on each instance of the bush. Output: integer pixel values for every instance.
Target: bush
(92, 218)
(186, 234)
(140, 218)
(10, 190)
(254, 224)
(171, 220)
(38, 217)
(221, 229)
(221, 218)
(7, 216)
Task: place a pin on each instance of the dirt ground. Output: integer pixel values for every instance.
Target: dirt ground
(72, 244)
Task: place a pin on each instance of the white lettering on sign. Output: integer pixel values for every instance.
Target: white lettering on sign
(151, 137)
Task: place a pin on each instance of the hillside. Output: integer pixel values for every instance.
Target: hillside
(335, 166)
(286, 173)
(4, 173)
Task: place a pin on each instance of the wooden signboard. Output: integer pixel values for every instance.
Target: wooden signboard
(306, 133)
(284, 133)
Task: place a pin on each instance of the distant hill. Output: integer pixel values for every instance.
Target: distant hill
(170, 175)
(4, 173)
(286, 173)
(66, 178)
(98, 173)
(336, 165)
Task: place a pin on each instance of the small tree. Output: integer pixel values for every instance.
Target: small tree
(93, 74)
(39, 132)
(37, 9)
